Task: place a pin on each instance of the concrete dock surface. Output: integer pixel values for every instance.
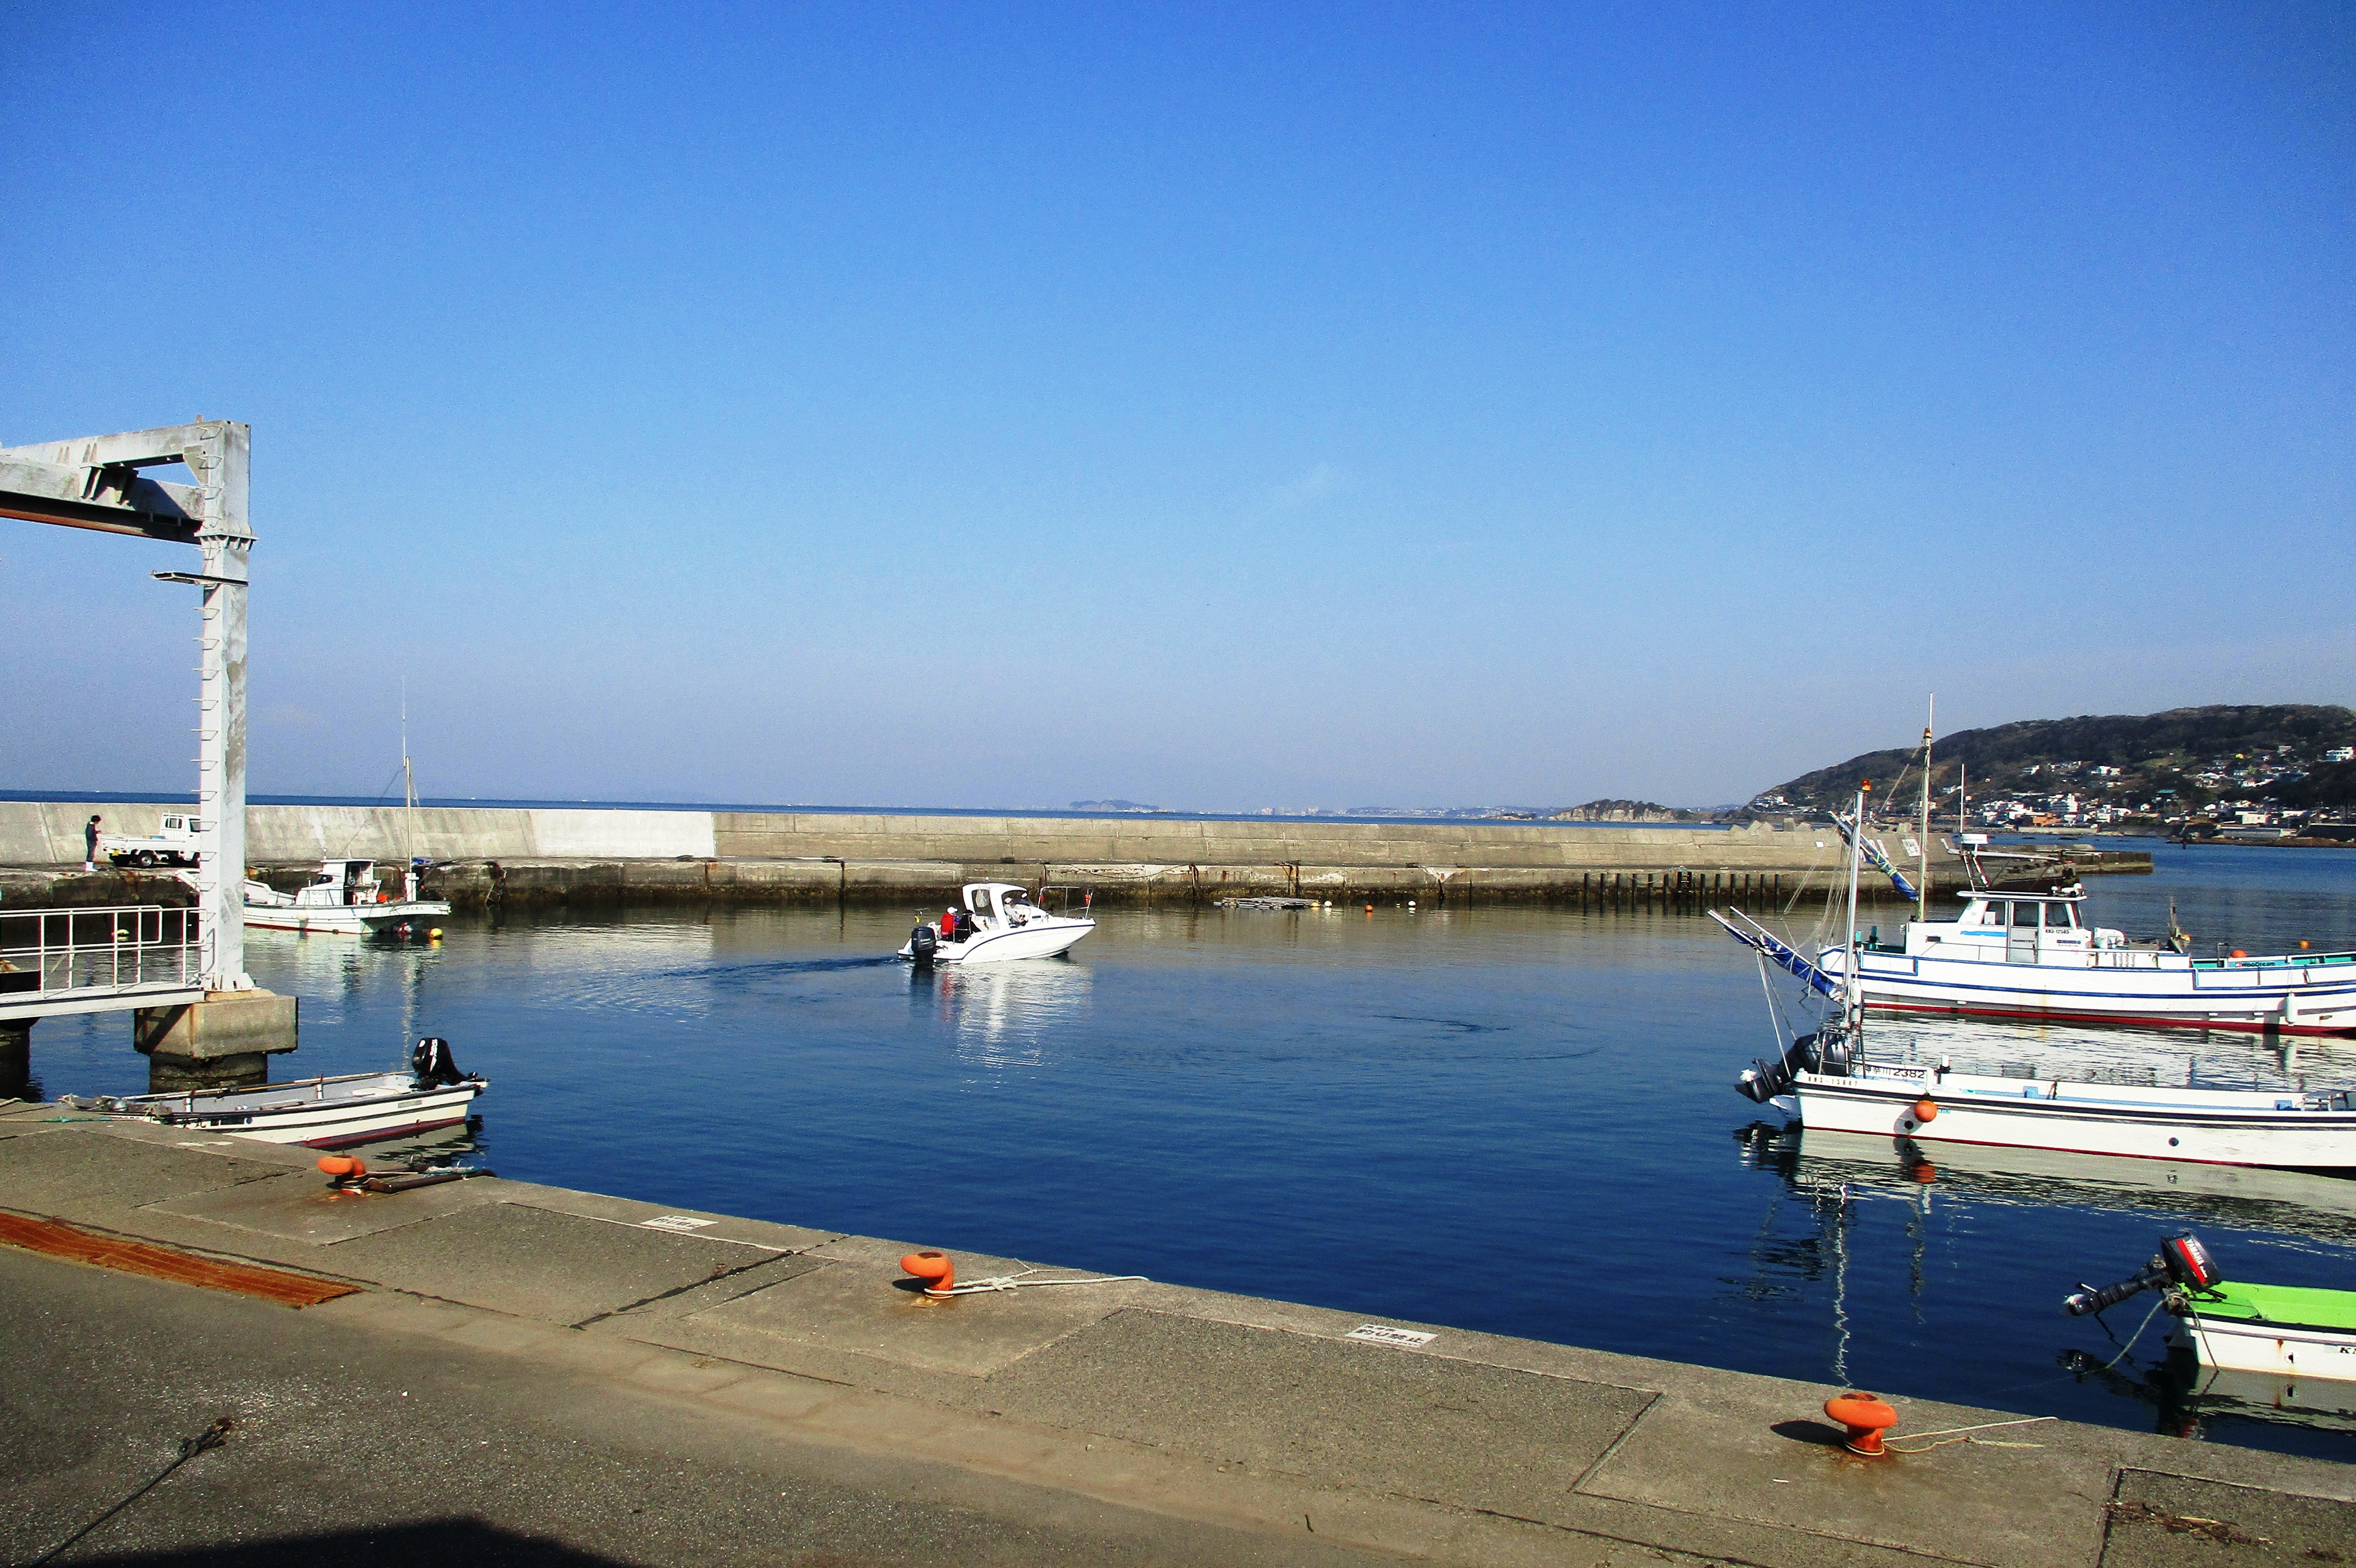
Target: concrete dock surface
(530, 1374)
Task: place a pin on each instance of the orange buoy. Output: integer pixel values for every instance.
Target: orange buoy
(1925, 1109)
(1865, 1416)
(2237, 952)
(934, 1267)
(342, 1165)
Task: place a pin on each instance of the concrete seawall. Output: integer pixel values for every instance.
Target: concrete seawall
(517, 854)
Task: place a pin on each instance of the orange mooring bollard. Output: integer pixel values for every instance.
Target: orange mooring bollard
(1866, 1417)
(343, 1166)
(934, 1267)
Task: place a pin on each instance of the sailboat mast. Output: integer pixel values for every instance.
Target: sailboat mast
(408, 803)
(1922, 885)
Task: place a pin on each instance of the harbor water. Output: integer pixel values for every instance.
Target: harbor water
(1521, 1121)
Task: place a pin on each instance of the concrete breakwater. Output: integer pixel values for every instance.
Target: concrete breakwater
(523, 856)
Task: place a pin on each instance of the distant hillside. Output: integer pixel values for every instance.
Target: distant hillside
(2185, 759)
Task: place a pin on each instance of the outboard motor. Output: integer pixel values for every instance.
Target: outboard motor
(433, 1063)
(922, 944)
(1762, 1083)
(2183, 1264)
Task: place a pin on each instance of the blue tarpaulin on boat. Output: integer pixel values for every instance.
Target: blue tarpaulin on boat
(1752, 934)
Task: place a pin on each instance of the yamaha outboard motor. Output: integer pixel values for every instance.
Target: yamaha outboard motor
(2183, 1264)
(433, 1062)
(923, 943)
(1762, 1083)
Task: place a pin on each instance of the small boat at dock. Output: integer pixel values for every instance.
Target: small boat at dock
(316, 1113)
(2277, 1330)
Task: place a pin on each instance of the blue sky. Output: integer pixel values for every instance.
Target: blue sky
(1215, 407)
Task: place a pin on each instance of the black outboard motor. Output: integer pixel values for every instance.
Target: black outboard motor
(433, 1062)
(1762, 1083)
(2183, 1264)
(922, 944)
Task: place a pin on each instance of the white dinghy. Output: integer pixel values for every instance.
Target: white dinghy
(316, 1112)
(1002, 924)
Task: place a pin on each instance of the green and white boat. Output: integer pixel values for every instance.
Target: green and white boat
(2282, 1331)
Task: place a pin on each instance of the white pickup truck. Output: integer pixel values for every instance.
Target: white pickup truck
(176, 844)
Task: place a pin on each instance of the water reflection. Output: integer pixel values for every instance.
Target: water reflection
(1001, 1016)
(2287, 1202)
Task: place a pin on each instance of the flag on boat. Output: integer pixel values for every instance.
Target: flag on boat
(1751, 933)
(1875, 856)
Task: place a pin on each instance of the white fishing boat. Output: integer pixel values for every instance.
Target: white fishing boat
(1828, 1079)
(316, 1112)
(2035, 956)
(999, 923)
(343, 897)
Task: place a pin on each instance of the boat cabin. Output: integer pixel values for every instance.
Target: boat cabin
(1001, 906)
(2009, 927)
(340, 883)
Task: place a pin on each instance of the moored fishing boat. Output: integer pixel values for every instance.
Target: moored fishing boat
(316, 1112)
(1828, 1079)
(343, 897)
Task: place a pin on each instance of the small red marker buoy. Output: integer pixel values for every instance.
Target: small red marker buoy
(1925, 1109)
(1865, 1416)
(934, 1267)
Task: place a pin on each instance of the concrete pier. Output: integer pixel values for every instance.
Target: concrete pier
(227, 1039)
(515, 858)
(562, 1377)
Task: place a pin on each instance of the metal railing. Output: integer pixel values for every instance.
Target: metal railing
(71, 954)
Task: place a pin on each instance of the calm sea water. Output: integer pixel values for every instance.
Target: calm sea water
(1509, 1120)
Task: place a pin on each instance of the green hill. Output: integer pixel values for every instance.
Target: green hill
(2198, 754)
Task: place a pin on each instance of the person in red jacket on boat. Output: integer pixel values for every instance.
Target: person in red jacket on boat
(948, 926)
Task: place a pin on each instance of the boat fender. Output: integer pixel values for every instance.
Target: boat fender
(1926, 1109)
(432, 1061)
(1866, 1417)
(935, 1269)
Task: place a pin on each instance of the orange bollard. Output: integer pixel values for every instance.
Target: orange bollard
(934, 1267)
(1866, 1417)
(343, 1166)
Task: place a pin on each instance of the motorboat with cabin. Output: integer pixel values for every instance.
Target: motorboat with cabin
(316, 1113)
(998, 922)
(343, 897)
(2034, 955)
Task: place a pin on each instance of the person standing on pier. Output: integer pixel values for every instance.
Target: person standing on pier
(90, 844)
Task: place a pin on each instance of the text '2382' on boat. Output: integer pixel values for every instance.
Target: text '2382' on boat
(999, 923)
(342, 898)
(317, 1113)
(1826, 1077)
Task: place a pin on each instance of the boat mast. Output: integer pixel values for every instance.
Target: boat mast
(1852, 1003)
(408, 803)
(1922, 884)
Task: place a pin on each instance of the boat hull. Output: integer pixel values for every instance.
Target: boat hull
(2281, 1349)
(2218, 1127)
(2290, 995)
(342, 920)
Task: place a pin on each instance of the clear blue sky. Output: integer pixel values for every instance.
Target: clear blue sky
(1215, 407)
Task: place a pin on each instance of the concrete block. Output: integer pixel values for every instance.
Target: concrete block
(225, 1024)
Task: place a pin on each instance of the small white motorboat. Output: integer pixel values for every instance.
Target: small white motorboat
(344, 899)
(1000, 924)
(316, 1112)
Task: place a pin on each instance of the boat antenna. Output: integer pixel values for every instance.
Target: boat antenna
(1922, 884)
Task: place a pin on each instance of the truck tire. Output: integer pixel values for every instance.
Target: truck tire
(145, 858)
